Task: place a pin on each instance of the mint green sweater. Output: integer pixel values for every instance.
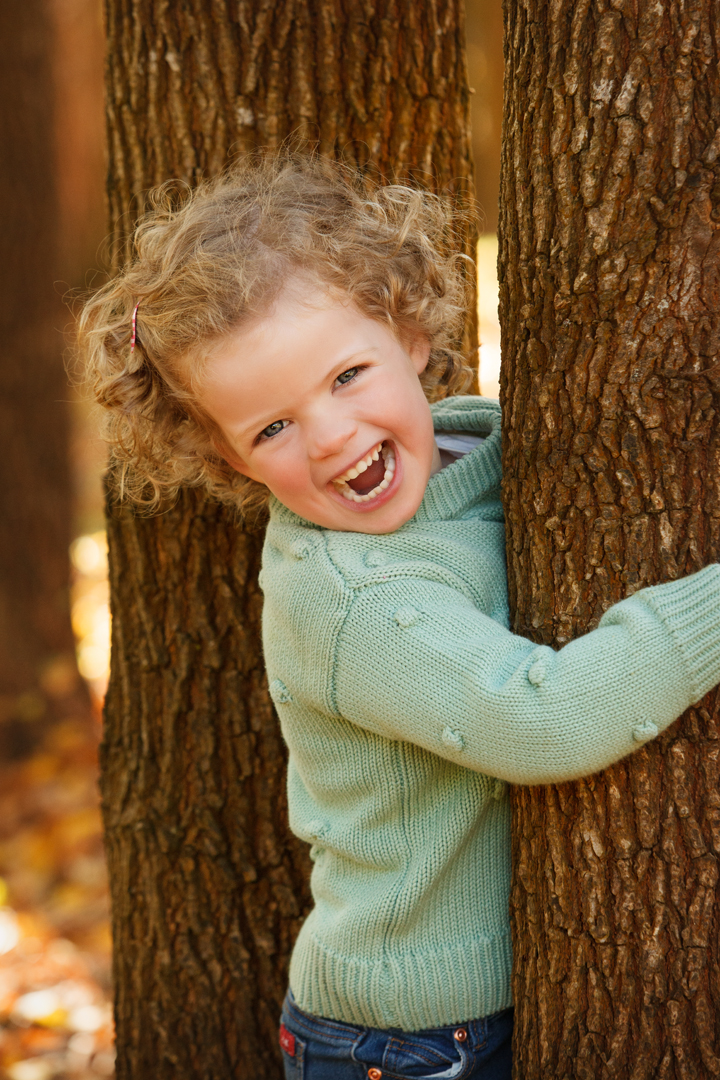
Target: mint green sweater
(407, 704)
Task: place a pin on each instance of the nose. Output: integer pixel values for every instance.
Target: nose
(330, 436)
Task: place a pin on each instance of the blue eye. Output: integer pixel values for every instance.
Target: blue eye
(347, 376)
(273, 429)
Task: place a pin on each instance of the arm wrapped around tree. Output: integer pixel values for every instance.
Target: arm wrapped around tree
(418, 661)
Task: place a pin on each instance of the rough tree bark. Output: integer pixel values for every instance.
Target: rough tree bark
(38, 677)
(610, 307)
(208, 889)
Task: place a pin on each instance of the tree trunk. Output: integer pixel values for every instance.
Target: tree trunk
(208, 888)
(610, 308)
(38, 677)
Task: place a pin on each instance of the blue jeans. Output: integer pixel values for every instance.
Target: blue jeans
(318, 1049)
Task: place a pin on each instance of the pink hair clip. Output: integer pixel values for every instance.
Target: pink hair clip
(134, 327)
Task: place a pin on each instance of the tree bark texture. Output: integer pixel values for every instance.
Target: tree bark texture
(610, 312)
(208, 887)
(381, 82)
(39, 683)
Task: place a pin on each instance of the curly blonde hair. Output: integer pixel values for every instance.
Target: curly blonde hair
(204, 262)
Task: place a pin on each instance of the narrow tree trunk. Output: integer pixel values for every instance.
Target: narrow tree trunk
(610, 307)
(38, 678)
(208, 888)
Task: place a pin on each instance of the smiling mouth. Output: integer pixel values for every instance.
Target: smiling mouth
(368, 477)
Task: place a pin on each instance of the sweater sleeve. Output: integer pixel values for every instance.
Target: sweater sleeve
(417, 661)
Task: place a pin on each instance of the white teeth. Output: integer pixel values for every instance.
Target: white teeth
(360, 466)
(352, 496)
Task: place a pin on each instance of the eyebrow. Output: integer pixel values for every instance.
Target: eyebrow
(346, 362)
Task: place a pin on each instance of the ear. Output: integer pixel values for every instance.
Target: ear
(232, 459)
(419, 349)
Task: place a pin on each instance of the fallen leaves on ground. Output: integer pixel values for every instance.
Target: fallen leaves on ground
(55, 1013)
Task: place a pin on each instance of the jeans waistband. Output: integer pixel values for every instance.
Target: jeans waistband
(340, 1031)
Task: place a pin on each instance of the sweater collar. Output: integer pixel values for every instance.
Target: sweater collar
(451, 492)
(454, 490)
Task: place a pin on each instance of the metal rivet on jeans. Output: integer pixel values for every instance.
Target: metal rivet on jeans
(460, 1034)
(374, 1074)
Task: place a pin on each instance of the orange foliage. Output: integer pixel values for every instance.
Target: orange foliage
(55, 1014)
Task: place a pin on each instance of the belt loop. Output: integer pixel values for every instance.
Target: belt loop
(477, 1033)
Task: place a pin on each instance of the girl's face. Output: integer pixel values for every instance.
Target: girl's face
(324, 406)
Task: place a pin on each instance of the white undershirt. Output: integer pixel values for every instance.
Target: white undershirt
(456, 444)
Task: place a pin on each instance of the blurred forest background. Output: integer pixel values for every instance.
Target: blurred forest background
(55, 994)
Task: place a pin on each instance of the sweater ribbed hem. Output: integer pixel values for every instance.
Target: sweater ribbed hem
(686, 608)
(409, 991)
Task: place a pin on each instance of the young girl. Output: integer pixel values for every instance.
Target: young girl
(275, 337)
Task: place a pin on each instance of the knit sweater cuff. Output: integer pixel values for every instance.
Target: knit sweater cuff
(690, 608)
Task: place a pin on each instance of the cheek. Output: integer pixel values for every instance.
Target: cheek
(418, 418)
(285, 473)
(403, 404)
